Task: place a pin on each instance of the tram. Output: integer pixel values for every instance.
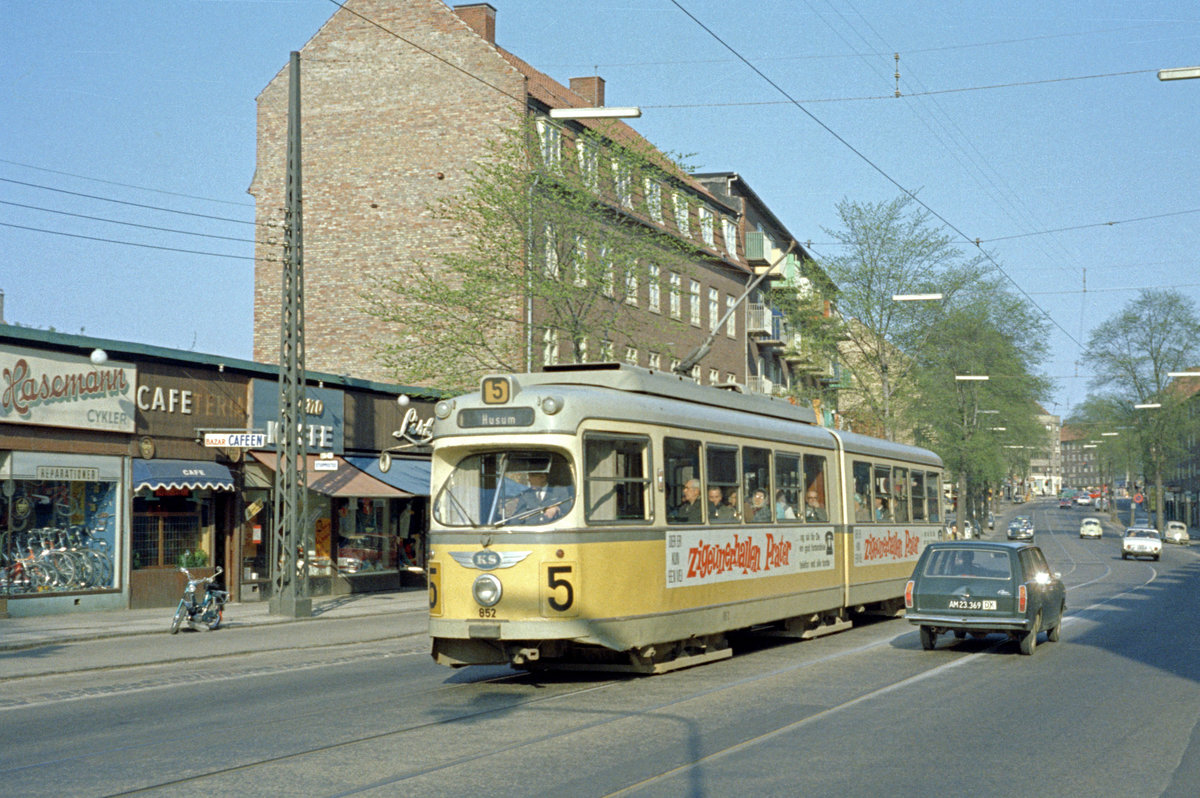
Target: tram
(608, 516)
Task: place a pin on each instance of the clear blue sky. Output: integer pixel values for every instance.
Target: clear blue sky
(1026, 124)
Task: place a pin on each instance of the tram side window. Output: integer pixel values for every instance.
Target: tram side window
(815, 508)
(883, 492)
(722, 489)
(918, 495)
(933, 496)
(756, 484)
(787, 486)
(900, 494)
(616, 484)
(862, 491)
(681, 461)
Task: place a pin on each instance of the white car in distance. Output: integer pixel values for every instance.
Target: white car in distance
(1176, 532)
(1090, 528)
(1141, 542)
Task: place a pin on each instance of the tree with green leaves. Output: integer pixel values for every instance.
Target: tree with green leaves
(890, 248)
(554, 248)
(1132, 355)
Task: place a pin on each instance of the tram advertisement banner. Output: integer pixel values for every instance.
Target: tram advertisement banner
(706, 556)
(883, 545)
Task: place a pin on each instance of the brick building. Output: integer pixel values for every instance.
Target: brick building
(398, 103)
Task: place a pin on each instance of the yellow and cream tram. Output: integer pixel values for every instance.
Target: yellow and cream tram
(611, 516)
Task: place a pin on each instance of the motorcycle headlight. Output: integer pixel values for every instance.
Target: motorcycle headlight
(486, 590)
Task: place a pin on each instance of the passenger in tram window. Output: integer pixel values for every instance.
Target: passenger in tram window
(881, 509)
(783, 510)
(861, 512)
(718, 510)
(758, 509)
(690, 511)
(814, 508)
(731, 499)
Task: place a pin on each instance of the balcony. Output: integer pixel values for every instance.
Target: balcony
(766, 327)
(761, 252)
(760, 385)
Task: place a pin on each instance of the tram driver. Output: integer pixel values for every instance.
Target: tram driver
(542, 502)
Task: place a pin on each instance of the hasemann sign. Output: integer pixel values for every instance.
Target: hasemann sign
(60, 390)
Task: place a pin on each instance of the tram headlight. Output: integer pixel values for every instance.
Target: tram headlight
(487, 590)
(552, 404)
(443, 408)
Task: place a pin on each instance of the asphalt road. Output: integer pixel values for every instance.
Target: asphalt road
(1110, 710)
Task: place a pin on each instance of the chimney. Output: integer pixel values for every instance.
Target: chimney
(481, 18)
(590, 89)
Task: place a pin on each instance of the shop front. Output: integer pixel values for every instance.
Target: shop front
(66, 421)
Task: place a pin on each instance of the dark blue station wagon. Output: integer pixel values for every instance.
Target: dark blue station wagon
(981, 587)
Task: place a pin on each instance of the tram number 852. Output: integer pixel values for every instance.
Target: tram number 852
(558, 589)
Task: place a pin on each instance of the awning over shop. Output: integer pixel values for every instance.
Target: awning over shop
(407, 474)
(191, 474)
(347, 481)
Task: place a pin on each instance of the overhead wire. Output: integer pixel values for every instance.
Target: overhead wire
(862, 156)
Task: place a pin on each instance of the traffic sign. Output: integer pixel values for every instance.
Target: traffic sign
(1138, 498)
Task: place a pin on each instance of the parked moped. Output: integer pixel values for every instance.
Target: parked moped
(209, 612)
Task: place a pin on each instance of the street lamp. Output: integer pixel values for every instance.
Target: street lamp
(599, 112)
(1183, 373)
(1179, 73)
(916, 297)
(1147, 406)
(971, 377)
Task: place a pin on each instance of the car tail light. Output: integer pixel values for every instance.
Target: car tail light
(1022, 598)
(908, 593)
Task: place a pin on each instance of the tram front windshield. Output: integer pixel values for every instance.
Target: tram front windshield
(519, 487)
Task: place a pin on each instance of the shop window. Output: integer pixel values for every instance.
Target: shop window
(362, 539)
(59, 535)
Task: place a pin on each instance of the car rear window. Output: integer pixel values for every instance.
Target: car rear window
(977, 563)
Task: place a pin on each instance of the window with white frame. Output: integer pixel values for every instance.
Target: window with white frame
(550, 347)
(653, 199)
(622, 183)
(579, 262)
(631, 284)
(714, 377)
(583, 351)
(631, 355)
(705, 215)
(550, 142)
(696, 373)
(675, 299)
(682, 222)
(551, 251)
(606, 351)
(654, 361)
(714, 308)
(588, 153)
(731, 324)
(674, 364)
(729, 230)
(610, 269)
(653, 289)
(694, 301)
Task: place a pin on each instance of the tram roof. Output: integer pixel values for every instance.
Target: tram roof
(637, 379)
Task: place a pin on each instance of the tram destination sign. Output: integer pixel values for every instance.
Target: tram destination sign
(496, 417)
(237, 440)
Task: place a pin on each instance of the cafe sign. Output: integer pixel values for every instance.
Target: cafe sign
(61, 390)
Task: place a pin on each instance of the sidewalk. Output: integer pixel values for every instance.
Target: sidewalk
(30, 632)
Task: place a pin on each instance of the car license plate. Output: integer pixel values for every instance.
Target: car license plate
(972, 604)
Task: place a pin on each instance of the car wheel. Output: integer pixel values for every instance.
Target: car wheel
(1156, 558)
(1124, 556)
(959, 634)
(1029, 639)
(928, 638)
(1055, 632)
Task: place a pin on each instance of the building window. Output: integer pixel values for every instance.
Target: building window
(714, 308)
(696, 373)
(682, 223)
(674, 364)
(606, 351)
(694, 299)
(550, 348)
(610, 277)
(729, 230)
(655, 361)
(714, 376)
(631, 285)
(676, 289)
(579, 262)
(631, 355)
(731, 324)
(653, 289)
(622, 183)
(588, 153)
(653, 199)
(550, 142)
(705, 215)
